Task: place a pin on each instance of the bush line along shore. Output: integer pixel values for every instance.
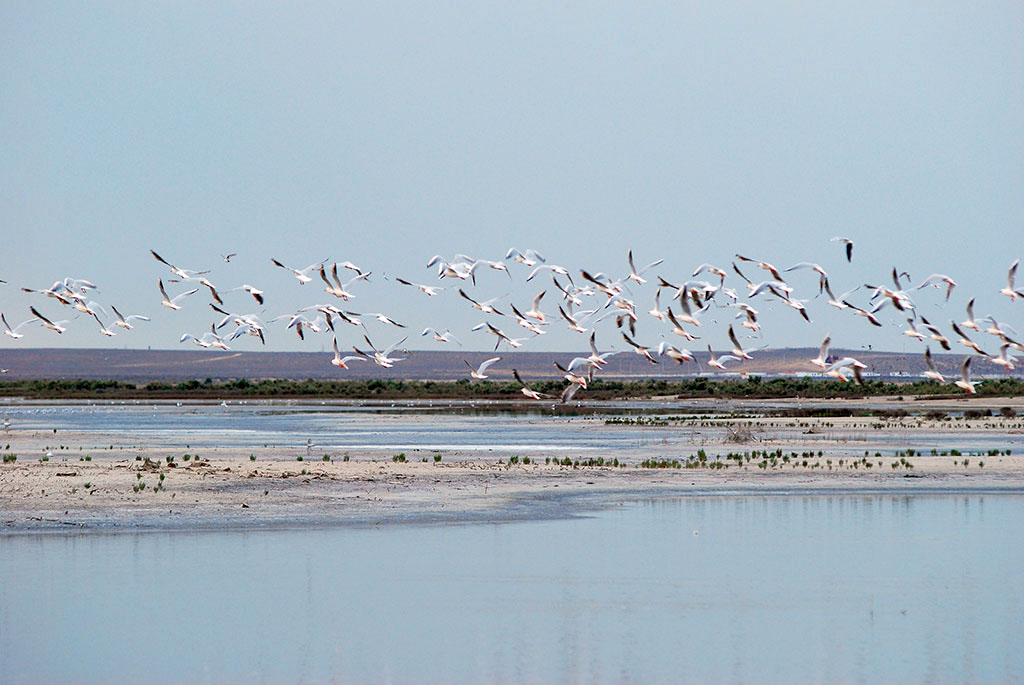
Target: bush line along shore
(753, 387)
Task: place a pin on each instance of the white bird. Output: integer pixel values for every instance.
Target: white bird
(497, 266)
(837, 370)
(207, 341)
(173, 303)
(383, 357)
(719, 362)
(576, 319)
(125, 321)
(342, 362)
(969, 322)
(53, 326)
(256, 293)
(936, 334)
(1011, 286)
(1003, 359)
(596, 358)
(603, 283)
(183, 274)
(103, 329)
(931, 371)
(677, 327)
(249, 322)
(849, 246)
(485, 306)
(441, 337)
(227, 257)
(570, 374)
(57, 291)
(822, 275)
(303, 275)
(967, 342)
(675, 353)
(634, 274)
(821, 361)
(965, 377)
(687, 315)
(656, 310)
(737, 349)
(500, 335)
(427, 289)
(13, 332)
(710, 269)
(572, 293)
(524, 322)
(764, 265)
(839, 302)
(383, 318)
(525, 389)
(535, 312)
(480, 372)
(641, 350)
(935, 280)
(553, 268)
(339, 289)
(749, 315)
(529, 258)
(454, 269)
(912, 332)
(863, 312)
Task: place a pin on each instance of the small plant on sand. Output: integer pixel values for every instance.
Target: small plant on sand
(345, 458)
(88, 485)
(298, 458)
(400, 457)
(252, 457)
(138, 457)
(513, 460)
(88, 457)
(266, 492)
(326, 457)
(981, 464)
(437, 458)
(10, 458)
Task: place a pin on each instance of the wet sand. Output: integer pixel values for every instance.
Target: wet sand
(226, 488)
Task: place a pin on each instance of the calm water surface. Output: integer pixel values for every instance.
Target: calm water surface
(777, 589)
(462, 427)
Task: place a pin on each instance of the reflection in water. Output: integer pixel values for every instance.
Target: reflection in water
(783, 589)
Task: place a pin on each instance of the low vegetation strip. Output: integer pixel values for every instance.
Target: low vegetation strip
(752, 387)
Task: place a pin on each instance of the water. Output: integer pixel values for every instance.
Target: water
(776, 589)
(464, 427)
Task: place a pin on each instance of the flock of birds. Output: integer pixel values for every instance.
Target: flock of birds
(575, 298)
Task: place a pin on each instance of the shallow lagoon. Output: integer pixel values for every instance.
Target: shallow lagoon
(776, 588)
(476, 427)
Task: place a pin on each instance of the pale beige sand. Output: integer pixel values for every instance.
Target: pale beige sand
(227, 489)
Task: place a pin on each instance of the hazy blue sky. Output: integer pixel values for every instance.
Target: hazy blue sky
(385, 133)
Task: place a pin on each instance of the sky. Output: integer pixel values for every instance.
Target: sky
(386, 133)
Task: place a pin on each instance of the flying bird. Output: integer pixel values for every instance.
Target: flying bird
(849, 246)
(173, 303)
(480, 372)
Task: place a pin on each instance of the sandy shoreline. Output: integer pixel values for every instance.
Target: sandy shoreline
(235, 492)
(118, 489)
